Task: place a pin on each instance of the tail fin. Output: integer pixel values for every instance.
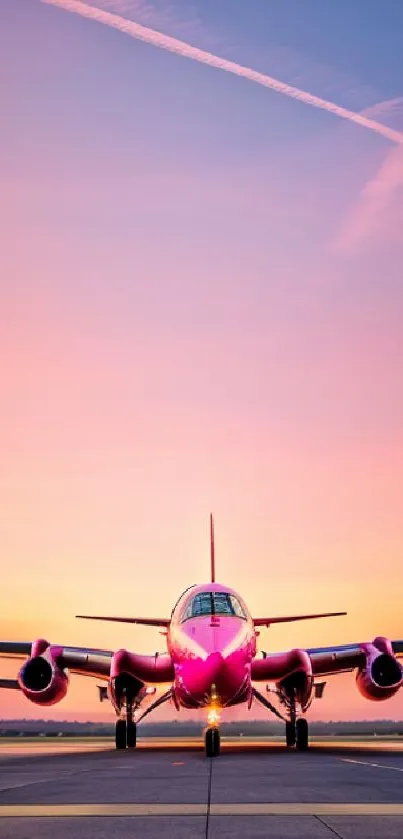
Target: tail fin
(212, 549)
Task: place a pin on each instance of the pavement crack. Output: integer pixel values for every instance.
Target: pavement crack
(332, 829)
(36, 781)
(210, 778)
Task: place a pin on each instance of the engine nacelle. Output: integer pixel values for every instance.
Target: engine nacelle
(41, 678)
(298, 681)
(382, 675)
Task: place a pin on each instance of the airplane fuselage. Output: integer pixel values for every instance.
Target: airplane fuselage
(212, 641)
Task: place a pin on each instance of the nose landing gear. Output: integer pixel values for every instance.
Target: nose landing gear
(212, 735)
(212, 742)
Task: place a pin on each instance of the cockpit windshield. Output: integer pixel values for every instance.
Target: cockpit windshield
(219, 603)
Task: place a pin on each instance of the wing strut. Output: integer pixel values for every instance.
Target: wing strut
(160, 701)
(262, 699)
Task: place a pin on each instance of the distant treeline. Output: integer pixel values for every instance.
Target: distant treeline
(52, 728)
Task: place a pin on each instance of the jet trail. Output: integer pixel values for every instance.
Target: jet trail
(166, 42)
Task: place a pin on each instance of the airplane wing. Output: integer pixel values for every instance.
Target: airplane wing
(44, 675)
(15, 649)
(325, 661)
(9, 684)
(329, 660)
(86, 661)
(81, 660)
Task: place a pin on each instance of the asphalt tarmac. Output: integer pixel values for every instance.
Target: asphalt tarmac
(254, 789)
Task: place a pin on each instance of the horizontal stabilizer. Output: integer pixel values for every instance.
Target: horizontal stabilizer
(291, 618)
(164, 622)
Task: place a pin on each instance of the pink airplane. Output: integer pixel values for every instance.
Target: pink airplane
(211, 663)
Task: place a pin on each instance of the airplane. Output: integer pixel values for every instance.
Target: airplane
(211, 663)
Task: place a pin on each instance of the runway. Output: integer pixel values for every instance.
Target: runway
(255, 788)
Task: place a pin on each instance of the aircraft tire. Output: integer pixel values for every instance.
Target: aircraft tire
(120, 734)
(212, 742)
(302, 731)
(290, 734)
(131, 735)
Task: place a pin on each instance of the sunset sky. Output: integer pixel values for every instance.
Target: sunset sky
(201, 308)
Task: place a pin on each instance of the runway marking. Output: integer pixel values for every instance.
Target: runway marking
(116, 810)
(80, 810)
(374, 765)
(302, 809)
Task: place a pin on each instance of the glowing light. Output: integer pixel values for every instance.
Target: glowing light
(213, 716)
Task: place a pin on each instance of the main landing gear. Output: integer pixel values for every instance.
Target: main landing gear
(126, 730)
(290, 734)
(120, 734)
(302, 734)
(212, 734)
(297, 734)
(212, 741)
(296, 730)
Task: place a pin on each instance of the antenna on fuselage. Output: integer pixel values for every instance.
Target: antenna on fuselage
(212, 549)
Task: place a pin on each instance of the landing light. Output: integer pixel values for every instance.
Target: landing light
(213, 716)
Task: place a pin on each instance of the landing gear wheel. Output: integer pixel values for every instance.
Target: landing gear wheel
(212, 742)
(131, 736)
(120, 734)
(290, 734)
(302, 732)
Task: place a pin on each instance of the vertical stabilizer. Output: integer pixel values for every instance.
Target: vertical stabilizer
(212, 548)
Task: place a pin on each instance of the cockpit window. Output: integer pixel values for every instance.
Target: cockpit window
(201, 605)
(238, 610)
(222, 604)
(218, 603)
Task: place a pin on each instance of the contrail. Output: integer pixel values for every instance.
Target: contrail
(158, 39)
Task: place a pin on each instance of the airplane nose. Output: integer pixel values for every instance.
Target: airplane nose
(198, 676)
